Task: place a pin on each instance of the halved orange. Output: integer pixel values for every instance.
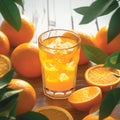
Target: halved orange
(5, 65)
(103, 77)
(55, 113)
(83, 99)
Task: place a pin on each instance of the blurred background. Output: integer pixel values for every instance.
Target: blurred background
(50, 14)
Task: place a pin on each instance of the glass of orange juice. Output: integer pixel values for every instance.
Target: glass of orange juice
(59, 55)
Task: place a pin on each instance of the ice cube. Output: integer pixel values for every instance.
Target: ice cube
(63, 77)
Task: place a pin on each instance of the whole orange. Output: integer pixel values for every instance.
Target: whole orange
(101, 39)
(15, 37)
(27, 98)
(25, 60)
(85, 39)
(4, 44)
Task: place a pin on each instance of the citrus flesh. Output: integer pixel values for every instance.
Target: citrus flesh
(5, 65)
(104, 77)
(83, 99)
(55, 113)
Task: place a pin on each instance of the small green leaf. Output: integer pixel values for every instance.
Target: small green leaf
(32, 115)
(81, 10)
(114, 25)
(112, 7)
(6, 78)
(94, 54)
(113, 60)
(19, 2)
(9, 94)
(96, 9)
(11, 13)
(8, 107)
(109, 102)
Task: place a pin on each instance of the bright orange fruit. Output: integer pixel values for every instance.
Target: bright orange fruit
(5, 65)
(25, 60)
(103, 77)
(84, 98)
(55, 113)
(27, 97)
(101, 39)
(15, 37)
(4, 44)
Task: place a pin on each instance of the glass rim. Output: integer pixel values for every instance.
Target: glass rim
(77, 36)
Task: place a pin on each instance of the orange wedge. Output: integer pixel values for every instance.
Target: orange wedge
(103, 77)
(5, 65)
(84, 98)
(55, 113)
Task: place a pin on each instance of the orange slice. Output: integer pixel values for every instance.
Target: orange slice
(84, 98)
(104, 77)
(55, 113)
(5, 65)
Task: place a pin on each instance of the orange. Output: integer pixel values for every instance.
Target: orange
(15, 37)
(96, 117)
(85, 39)
(104, 77)
(27, 98)
(5, 65)
(55, 113)
(25, 60)
(101, 39)
(83, 99)
(4, 44)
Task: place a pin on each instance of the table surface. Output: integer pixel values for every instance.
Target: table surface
(43, 100)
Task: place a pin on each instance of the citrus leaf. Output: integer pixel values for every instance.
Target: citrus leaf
(113, 60)
(94, 54)
(112, 7)
(84, 10)
(109, 102)
(6, 78)
(32, 115)
(8, 109)
(114, 26)
(96, 9)
(19, 2)
(10, 12)
(9, 94)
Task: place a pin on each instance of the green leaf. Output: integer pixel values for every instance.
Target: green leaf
(114, 25)
(96, 9)
(94, 54)
(11, 13)
(6, 78)
(19, 2)
(112, 7)
(109, 102)
(85, 10)
(113, 60)
(9, 94)
(32, 115)
(8, 107)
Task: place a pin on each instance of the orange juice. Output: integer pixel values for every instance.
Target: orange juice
(59, 58)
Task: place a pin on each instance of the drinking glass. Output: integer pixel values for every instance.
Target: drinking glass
(59, 52)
